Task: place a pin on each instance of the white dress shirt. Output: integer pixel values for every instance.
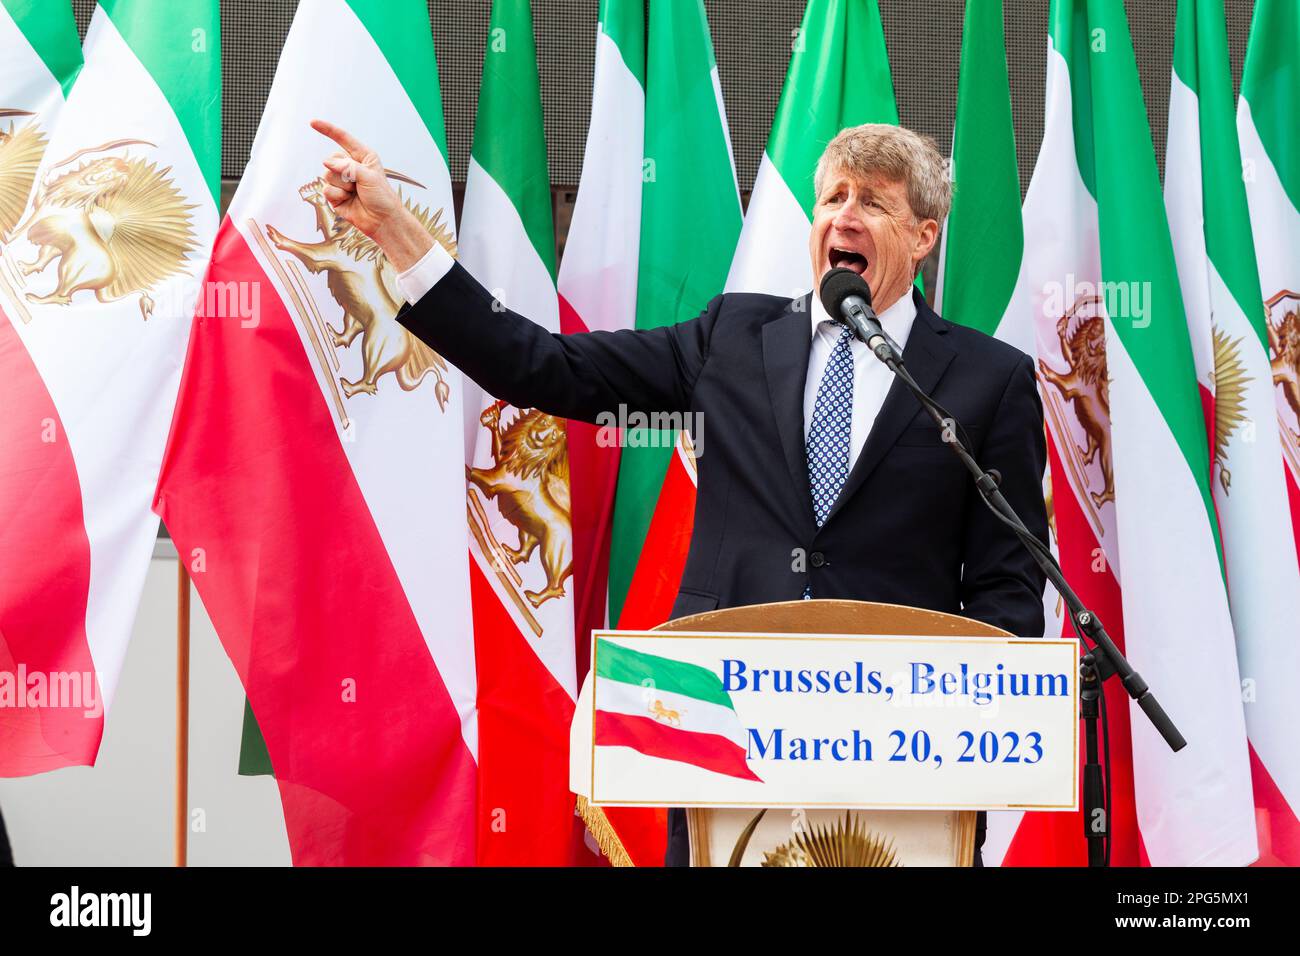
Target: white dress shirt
(871, 379)
(425, 274)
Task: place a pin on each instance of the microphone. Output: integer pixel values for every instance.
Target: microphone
(845, 294)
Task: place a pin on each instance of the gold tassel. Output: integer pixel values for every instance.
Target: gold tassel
(603, 831)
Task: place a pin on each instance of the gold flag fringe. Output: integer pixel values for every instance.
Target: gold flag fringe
(606, 838)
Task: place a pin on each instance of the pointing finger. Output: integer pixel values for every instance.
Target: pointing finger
(353, 146)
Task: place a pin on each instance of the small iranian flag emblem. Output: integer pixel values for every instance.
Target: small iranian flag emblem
(667, 709)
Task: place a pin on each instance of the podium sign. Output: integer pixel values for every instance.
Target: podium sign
(694, 719)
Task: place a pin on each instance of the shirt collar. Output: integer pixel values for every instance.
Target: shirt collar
(896, 320)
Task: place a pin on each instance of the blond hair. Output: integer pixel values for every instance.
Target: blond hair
(897, 153)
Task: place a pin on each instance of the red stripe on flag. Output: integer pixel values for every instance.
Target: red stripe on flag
(663, 556)
(1208, 413)
(655, 739)
(1057, 839)
(44, 578)
(526, 813)
(1278, 828)
(1293, 499)
(593, 479)
(306, 600)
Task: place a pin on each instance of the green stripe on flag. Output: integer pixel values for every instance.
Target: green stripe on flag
(1185, 40)
(179, 43)
(841, 41)
(1201, 62)
(985, 238)
(51, 29)
(510, 99)
(400, 28)
(1270, 83)
(690, 221)
(1068, 30)
(618, 663)
(254, 758)
(623, 21)
(1136, 250)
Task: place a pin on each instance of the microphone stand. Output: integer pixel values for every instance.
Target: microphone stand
(1096, 664)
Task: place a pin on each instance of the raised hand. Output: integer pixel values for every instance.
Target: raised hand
(357, 187)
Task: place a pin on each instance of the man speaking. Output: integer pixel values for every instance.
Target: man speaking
(822, 477)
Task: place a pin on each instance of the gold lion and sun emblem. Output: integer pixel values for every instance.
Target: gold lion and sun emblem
(1282, 320)
(362, 285)
(1085, 388)
(21, 149)
(112, 224)
(528, 479)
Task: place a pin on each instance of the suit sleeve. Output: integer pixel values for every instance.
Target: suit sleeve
(575, 376)
(1001, 583)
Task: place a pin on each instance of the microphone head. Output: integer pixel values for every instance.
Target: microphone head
(838, 285)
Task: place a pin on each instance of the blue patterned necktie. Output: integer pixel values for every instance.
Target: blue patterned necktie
(828, 436)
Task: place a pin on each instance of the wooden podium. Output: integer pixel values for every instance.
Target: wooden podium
(919, 838)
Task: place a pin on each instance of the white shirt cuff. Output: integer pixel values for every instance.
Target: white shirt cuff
(425, 274)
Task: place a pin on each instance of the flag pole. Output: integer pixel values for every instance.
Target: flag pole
(182, 710)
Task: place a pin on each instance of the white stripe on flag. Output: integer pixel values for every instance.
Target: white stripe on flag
(673, 710)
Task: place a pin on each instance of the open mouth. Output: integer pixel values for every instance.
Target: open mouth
(848, 259)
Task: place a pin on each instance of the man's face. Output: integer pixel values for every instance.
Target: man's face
(867, 225)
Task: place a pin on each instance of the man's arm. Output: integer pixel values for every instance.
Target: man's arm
(572, 376)
(1001, 583)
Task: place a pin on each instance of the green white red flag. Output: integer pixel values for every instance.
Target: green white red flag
(669, 709)
(689, 176)
(314, 476)
(99, 275)
(1193, 807)
(838, 77)
(982, 249)
(43, 57)
(597, 286)
(1265, 342)
(521, 543)
(1129, 459)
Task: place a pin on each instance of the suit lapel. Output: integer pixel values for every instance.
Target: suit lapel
(787, 341)
(926, 356)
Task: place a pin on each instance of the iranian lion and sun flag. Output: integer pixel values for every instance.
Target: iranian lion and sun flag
(335, 487)
(109, 182)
